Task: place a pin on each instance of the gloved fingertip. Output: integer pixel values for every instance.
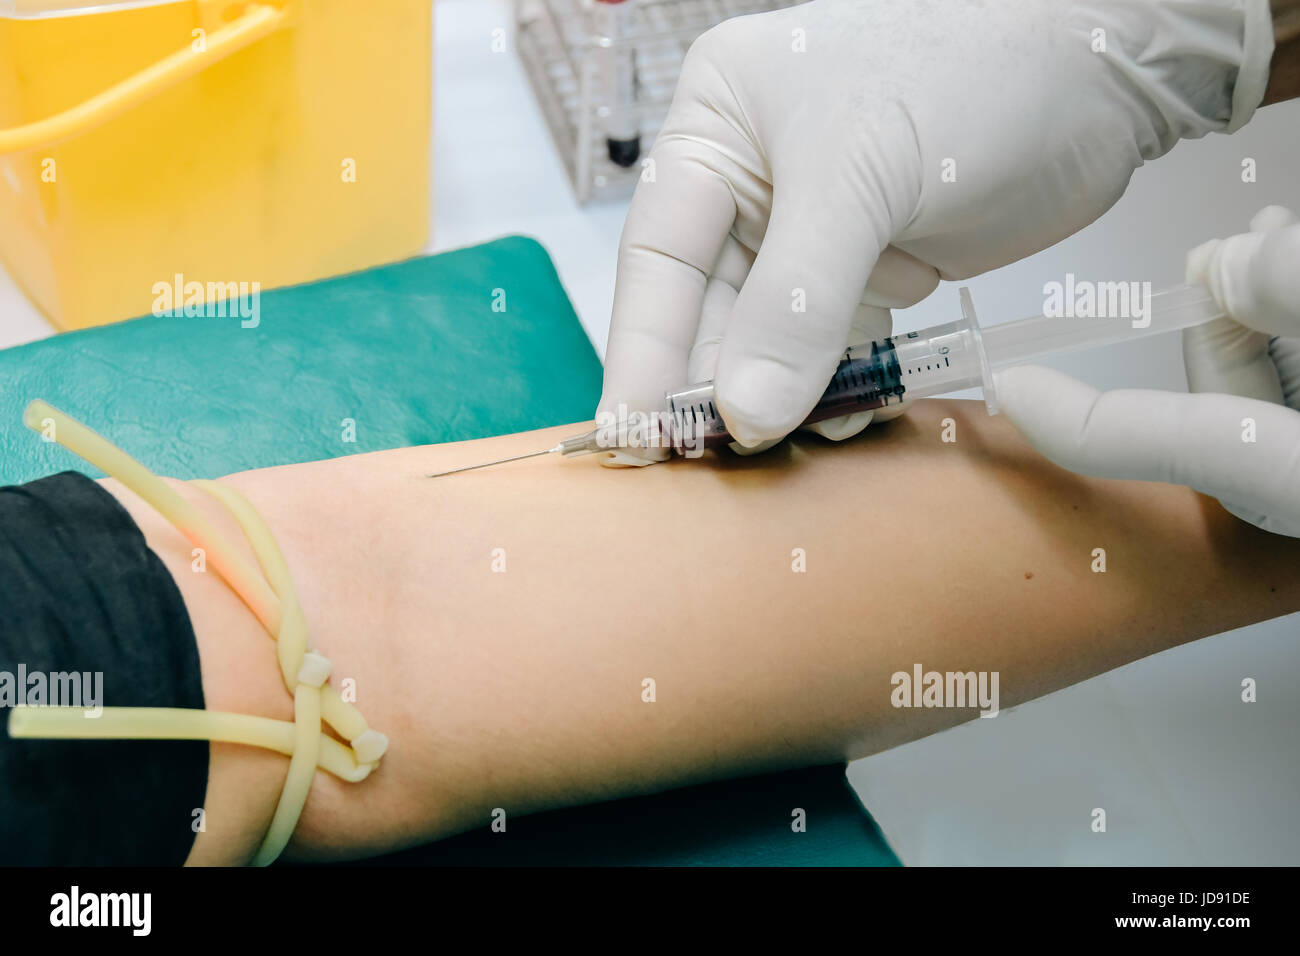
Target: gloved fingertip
(1198, 260)
(746, 442)
(758, 449)
(630, 457)
(761, 401)
(846, 426)
(1272, 218)
(1033, 387)
(890, 412)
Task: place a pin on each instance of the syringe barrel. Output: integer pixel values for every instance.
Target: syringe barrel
(1132, 315)
(947, 358)
(940, 359)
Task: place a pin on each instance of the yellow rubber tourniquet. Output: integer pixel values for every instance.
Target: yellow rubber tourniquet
(274, 602)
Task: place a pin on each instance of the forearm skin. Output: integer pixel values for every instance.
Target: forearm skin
(520, 685)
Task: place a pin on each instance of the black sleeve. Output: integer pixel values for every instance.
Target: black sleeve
(83, 599)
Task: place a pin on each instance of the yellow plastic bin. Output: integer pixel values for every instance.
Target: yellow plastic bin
(205, 143)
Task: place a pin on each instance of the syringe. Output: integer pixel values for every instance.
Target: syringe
(934, 361)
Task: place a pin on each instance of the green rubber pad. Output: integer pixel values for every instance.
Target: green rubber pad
(745, 822)
(466, 344)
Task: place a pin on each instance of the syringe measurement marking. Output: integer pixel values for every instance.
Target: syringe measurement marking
(946, 364)
(873, 381)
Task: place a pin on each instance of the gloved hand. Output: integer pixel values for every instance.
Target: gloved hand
(814, 147)
(1238, 437)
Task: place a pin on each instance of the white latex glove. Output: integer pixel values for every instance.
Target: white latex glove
(809, 146)
(1238, 438)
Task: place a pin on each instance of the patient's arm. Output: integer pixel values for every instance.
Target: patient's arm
(523, 688)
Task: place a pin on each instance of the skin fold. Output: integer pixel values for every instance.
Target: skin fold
(522, 688)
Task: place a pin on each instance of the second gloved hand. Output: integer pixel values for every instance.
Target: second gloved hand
(1237, 437)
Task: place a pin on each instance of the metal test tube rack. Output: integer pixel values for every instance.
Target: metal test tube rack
(563, 50)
